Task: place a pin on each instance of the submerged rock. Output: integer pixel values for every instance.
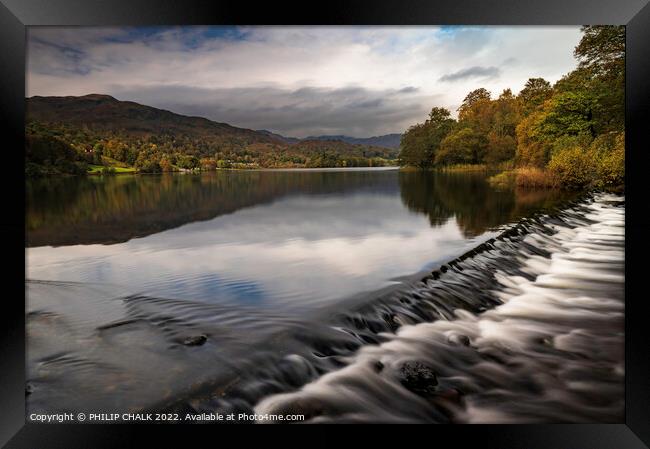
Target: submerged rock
(418, 378)
(196, 340)
(459, 339)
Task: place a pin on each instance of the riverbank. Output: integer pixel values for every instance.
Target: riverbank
(537, 178)
(104, 170)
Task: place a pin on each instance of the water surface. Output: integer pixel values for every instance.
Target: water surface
(123, 270)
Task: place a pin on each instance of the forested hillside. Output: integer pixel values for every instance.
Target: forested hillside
(570, 134)
(71, 135)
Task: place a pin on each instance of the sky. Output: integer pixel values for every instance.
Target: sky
(297, 81)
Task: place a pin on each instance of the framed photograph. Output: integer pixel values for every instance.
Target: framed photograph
(365, 213)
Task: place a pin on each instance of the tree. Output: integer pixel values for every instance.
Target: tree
(532, 146)
(420, 142)
(501, 148)
(505, 115)
(600, 75)
(187, 162)
(166, 164)
(472, 98)
(535, 92)
(460, 147)
(601, 51)
(208, 164)
(414, 147)
(569, 113)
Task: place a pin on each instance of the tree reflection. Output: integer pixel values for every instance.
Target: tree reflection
(467, 196)
(69, 211)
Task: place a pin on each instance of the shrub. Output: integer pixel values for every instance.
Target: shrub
(33, 170)
(573, 167)
(149, 167)
(608, 153)
(564, 143)
(535, 177)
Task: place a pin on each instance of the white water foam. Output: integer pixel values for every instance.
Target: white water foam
(552, 352)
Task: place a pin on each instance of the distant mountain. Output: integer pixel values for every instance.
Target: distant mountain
(386, 141)
(289, 140)
(317, 146)
(389, 141)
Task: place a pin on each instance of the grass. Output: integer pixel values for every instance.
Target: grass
(124, 169)
(534, 177)
(97, 169)
(525, 177)
(464, 167)
(108, 161)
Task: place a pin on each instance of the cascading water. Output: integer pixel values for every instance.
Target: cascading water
(528, 327)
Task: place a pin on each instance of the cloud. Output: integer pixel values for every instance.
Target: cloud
(471, 72)
(359, 80)
(309, 110)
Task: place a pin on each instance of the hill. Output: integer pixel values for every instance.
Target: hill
(103, 112)
(390, 141)
(64, 133)
(280, 137)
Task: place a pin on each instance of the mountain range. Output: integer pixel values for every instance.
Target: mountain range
(390, 141)
(386, 141)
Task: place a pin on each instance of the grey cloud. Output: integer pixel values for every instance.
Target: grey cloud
(353, 111)
(408, 90)
(471, 72)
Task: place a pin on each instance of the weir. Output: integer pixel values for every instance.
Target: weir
(527, 327)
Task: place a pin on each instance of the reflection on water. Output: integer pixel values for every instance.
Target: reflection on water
(260, 237)
(469, 198)
(122, 270)
(72, 211)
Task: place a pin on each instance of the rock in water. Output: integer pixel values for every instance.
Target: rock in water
(196, 340)
(459, 339)
(418, 378)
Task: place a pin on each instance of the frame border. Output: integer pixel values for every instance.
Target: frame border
(16, 15)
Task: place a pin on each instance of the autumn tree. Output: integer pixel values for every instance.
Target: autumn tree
(477, 96)
(460, 147)
(420, 142)
(535, 92)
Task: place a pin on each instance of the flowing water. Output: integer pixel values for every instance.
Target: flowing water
(343, 295)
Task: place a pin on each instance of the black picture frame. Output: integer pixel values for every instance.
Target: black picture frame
(16, 15)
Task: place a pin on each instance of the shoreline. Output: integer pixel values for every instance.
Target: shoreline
(197, 172)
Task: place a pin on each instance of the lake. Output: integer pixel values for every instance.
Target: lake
(289, 240)
(144, 291)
